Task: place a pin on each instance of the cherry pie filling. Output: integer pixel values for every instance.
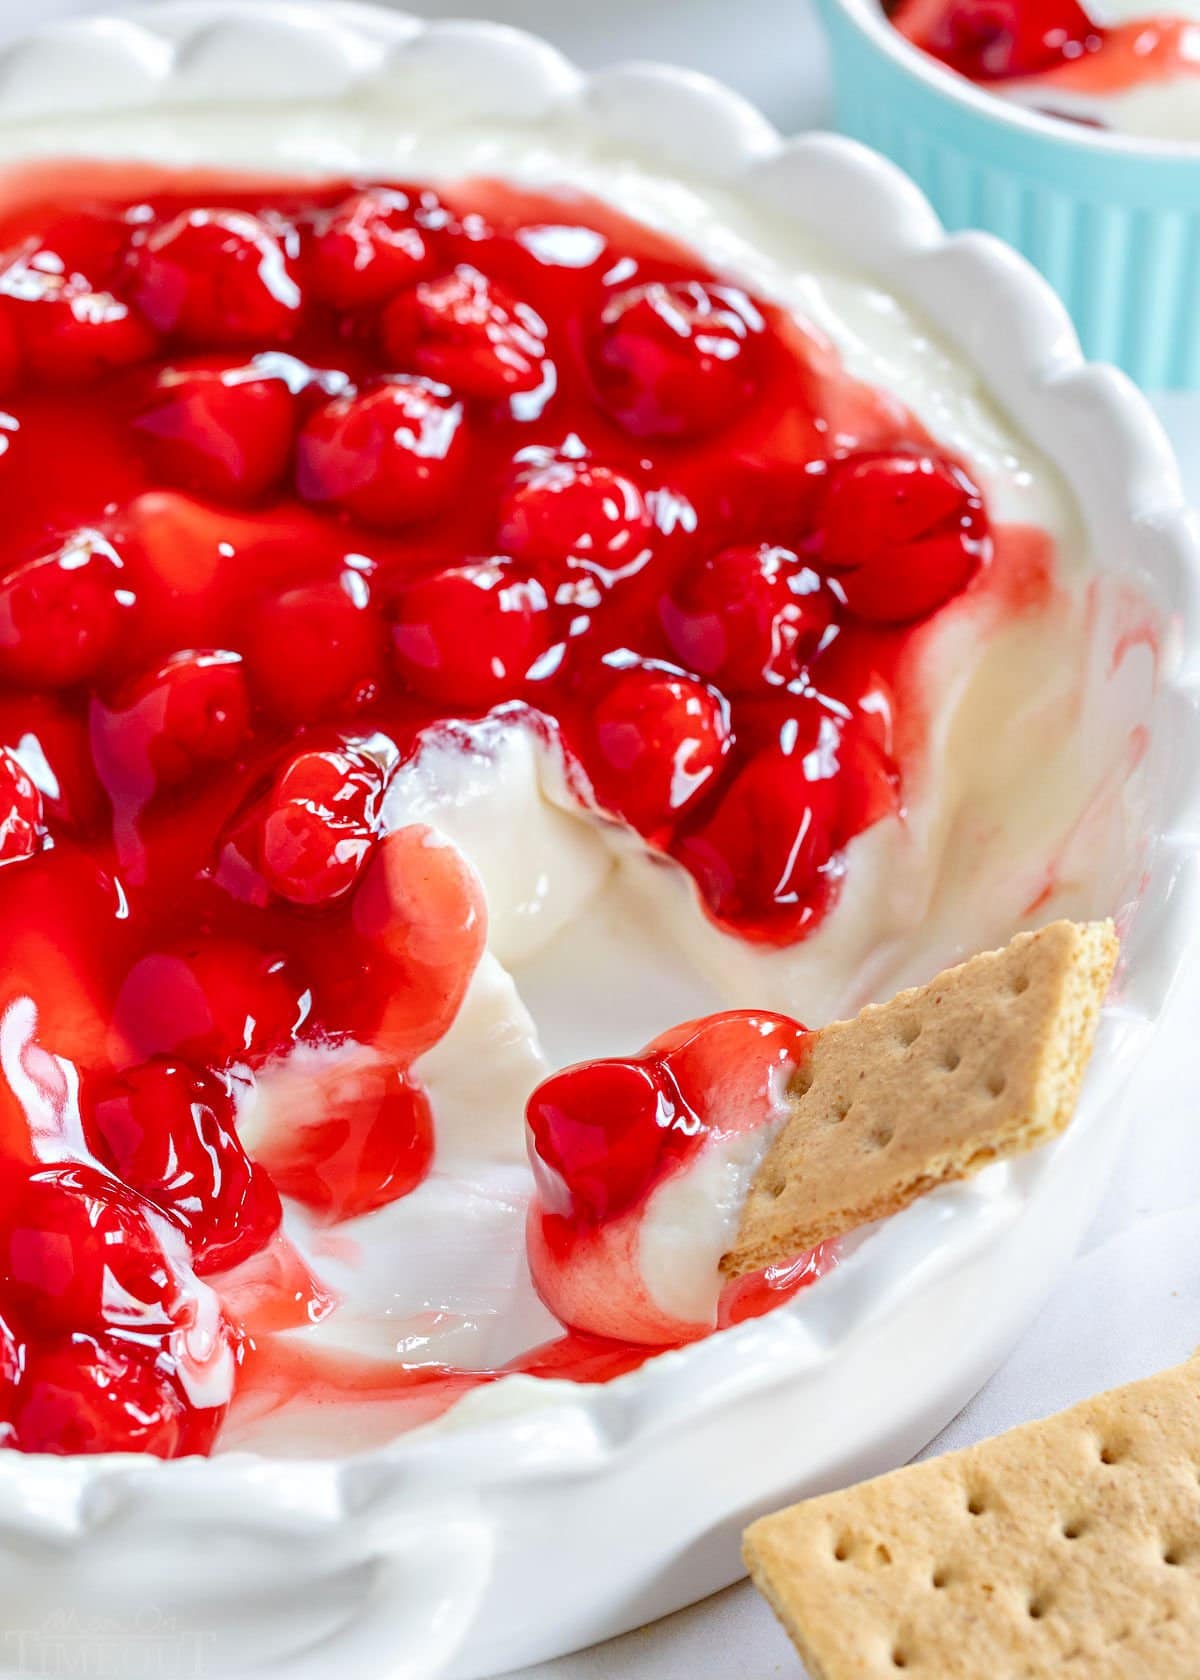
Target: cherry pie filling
(292, 474)
(998, 41)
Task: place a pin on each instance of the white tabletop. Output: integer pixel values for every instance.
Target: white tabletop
(1131, 1302)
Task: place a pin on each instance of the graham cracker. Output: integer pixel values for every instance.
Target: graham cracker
(984, 1062)
(1064, 1550)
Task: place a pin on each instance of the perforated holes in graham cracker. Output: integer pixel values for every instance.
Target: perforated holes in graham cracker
(1065, 1550)
(985, 1062)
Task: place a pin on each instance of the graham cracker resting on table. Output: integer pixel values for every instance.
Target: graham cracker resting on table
(1068, 1548)
(982, 1063)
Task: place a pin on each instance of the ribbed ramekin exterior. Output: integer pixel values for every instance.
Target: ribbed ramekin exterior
(1116, 232)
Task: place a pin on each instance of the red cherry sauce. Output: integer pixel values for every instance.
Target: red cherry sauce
(290, 474)
(1056, 41)
(605, 1136)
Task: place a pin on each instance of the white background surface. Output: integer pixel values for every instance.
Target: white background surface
(1131, 1302)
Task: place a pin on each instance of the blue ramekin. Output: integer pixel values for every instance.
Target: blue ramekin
(1112, 221)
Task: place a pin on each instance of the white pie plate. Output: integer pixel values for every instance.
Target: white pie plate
(540, 1517)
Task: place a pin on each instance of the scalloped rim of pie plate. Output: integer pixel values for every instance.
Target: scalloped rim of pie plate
(539, 1516)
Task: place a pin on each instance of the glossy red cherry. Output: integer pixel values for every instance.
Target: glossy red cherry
(733, 1067)
(366, 248)
(221, 431)
(991, 40)
(190, 714)
(210, 1003)
(387, 456)
(369, 1141)
(869, 783)
(49, 739)
(86, 1395)
(759, 859)
(317, 651)
(60, 929)
(604, 1130)
(469, 332)
(22, 829)
(78, 1253)
(61, 613)
(92, 242)
(419, 912)
(203, 571)
(14, 1355)
(675, 359)
(68, 330)
(10, 355)
(562, 510)
(468, 635)
(169, 1131)
(308, 855)
(902, 533)
(747, 616)
(212, 276)
(659, 740)
(320, 824)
